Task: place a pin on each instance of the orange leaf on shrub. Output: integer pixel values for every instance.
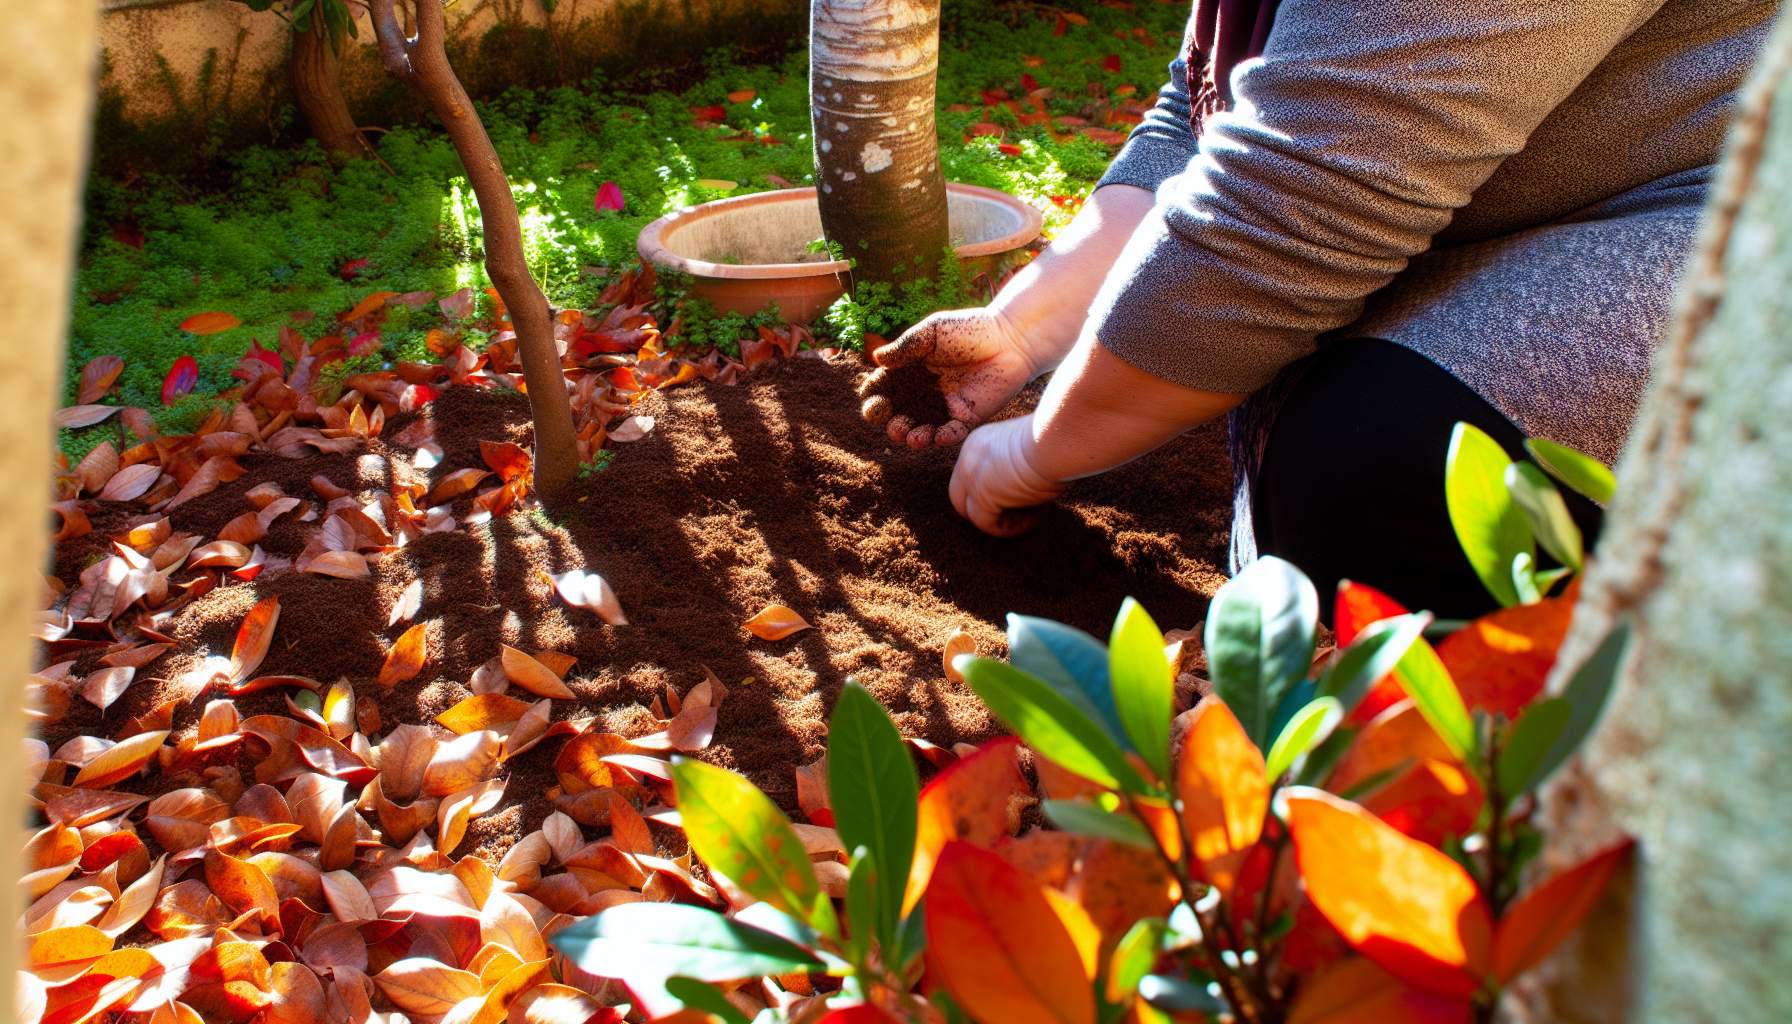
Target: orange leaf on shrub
(864, 1013)
(967, 801)
(995, 942)
(775, 622)
(1546, 915)
(406, 657)
(1430, 802)
(1358, 607)
(1398, 736)
(1397, 901)
(1224, 793)
(1356, 991)
(1500, 661)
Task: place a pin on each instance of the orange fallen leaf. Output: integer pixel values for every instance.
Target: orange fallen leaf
(253, 637)
(406, 657)
(457, 483)
(120, 761)
(367, 305)
(775, 622)
(97, 378)
(529, 673)
(959, 643)
(210, 322)
(74, 417)
(482, 711)
(591, 592)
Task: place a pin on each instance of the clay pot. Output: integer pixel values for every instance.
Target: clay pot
(727, 246)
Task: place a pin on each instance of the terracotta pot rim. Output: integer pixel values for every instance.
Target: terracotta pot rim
(652, 248)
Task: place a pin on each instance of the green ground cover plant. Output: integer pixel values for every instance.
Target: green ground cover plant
(290, 241)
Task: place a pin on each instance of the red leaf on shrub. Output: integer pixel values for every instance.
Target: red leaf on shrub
(1546, 915)
(967, 801)
(1430, 802)
(864, 1013)
(996, 943)
(1356, 991)
(1224, 793)
(352, 269)
(1359, 606)
(182, 378)
(209, 323)
(1008, 149)
(609, 197)
(1397, 901)
(1500, 661)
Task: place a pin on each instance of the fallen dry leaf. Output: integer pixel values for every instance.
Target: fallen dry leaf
(775, 622)
(531, 674)
(407, 656)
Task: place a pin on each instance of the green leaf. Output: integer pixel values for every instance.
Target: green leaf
(1488, 524)
(1325, 757)
(1546, 512)
(1086, 819)
(1586, 695)
(662, 940)
(875, 791)
(1581, 473)
(1134, 956)
(739, 832)
(1071, 662)
(1428, 682)
(1050, 723)
(1530, 739)
(1368, 660)
(864, 919)
(1144, 684)
(1309, 726)
(1260, 638)
(702, 996)
(1179, 995)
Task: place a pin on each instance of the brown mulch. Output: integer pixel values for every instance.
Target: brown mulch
(769, 491)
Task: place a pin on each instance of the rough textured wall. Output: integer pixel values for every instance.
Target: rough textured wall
(47, 80)
(189, 76)
(1692, 758)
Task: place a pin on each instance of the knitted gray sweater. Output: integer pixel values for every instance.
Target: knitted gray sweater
(1506, 186)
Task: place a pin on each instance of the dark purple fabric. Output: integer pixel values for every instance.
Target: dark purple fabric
(1226, 32)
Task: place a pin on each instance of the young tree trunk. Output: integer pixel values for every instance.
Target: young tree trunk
(871, 94)
(317, 89)
(51, 73)
(422, 61)
(1696, 557)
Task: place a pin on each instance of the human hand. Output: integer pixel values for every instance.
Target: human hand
(995, 484)
(980, 359)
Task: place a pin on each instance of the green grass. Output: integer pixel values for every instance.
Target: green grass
(268, 248)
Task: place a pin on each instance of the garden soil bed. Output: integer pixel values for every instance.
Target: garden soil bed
(771, 491)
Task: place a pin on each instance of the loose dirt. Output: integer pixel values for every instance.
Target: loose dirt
(769, 491)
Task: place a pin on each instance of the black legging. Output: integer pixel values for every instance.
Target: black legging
(1351, 485)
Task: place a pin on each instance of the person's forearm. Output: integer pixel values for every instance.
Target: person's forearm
(1045, 304)
(1100, 412)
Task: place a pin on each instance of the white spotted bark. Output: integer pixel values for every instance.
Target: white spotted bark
(1696, 557)
(871, 91)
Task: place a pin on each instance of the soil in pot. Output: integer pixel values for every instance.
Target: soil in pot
(769, 491)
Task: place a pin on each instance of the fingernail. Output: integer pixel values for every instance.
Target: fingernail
(877, 410)
(899, 428)
(920, 437)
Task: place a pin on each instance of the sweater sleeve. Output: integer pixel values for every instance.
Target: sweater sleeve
(1163, 143)
(1354, 139)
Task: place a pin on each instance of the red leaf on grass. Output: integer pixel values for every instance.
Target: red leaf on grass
(1397, 901)
(1546, 915)
(182, 378)
(995, 941)
(352, 269)
(1008, 149)
(715, 114)
(609, 196)
(1111, 63)
(210, 322)
(1224, 793)
(968, 801)
(97, 378)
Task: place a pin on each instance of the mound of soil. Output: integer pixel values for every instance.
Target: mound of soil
(770, 491)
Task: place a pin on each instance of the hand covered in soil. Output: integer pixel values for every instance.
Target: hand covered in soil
(981, 360)
(995, 484)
